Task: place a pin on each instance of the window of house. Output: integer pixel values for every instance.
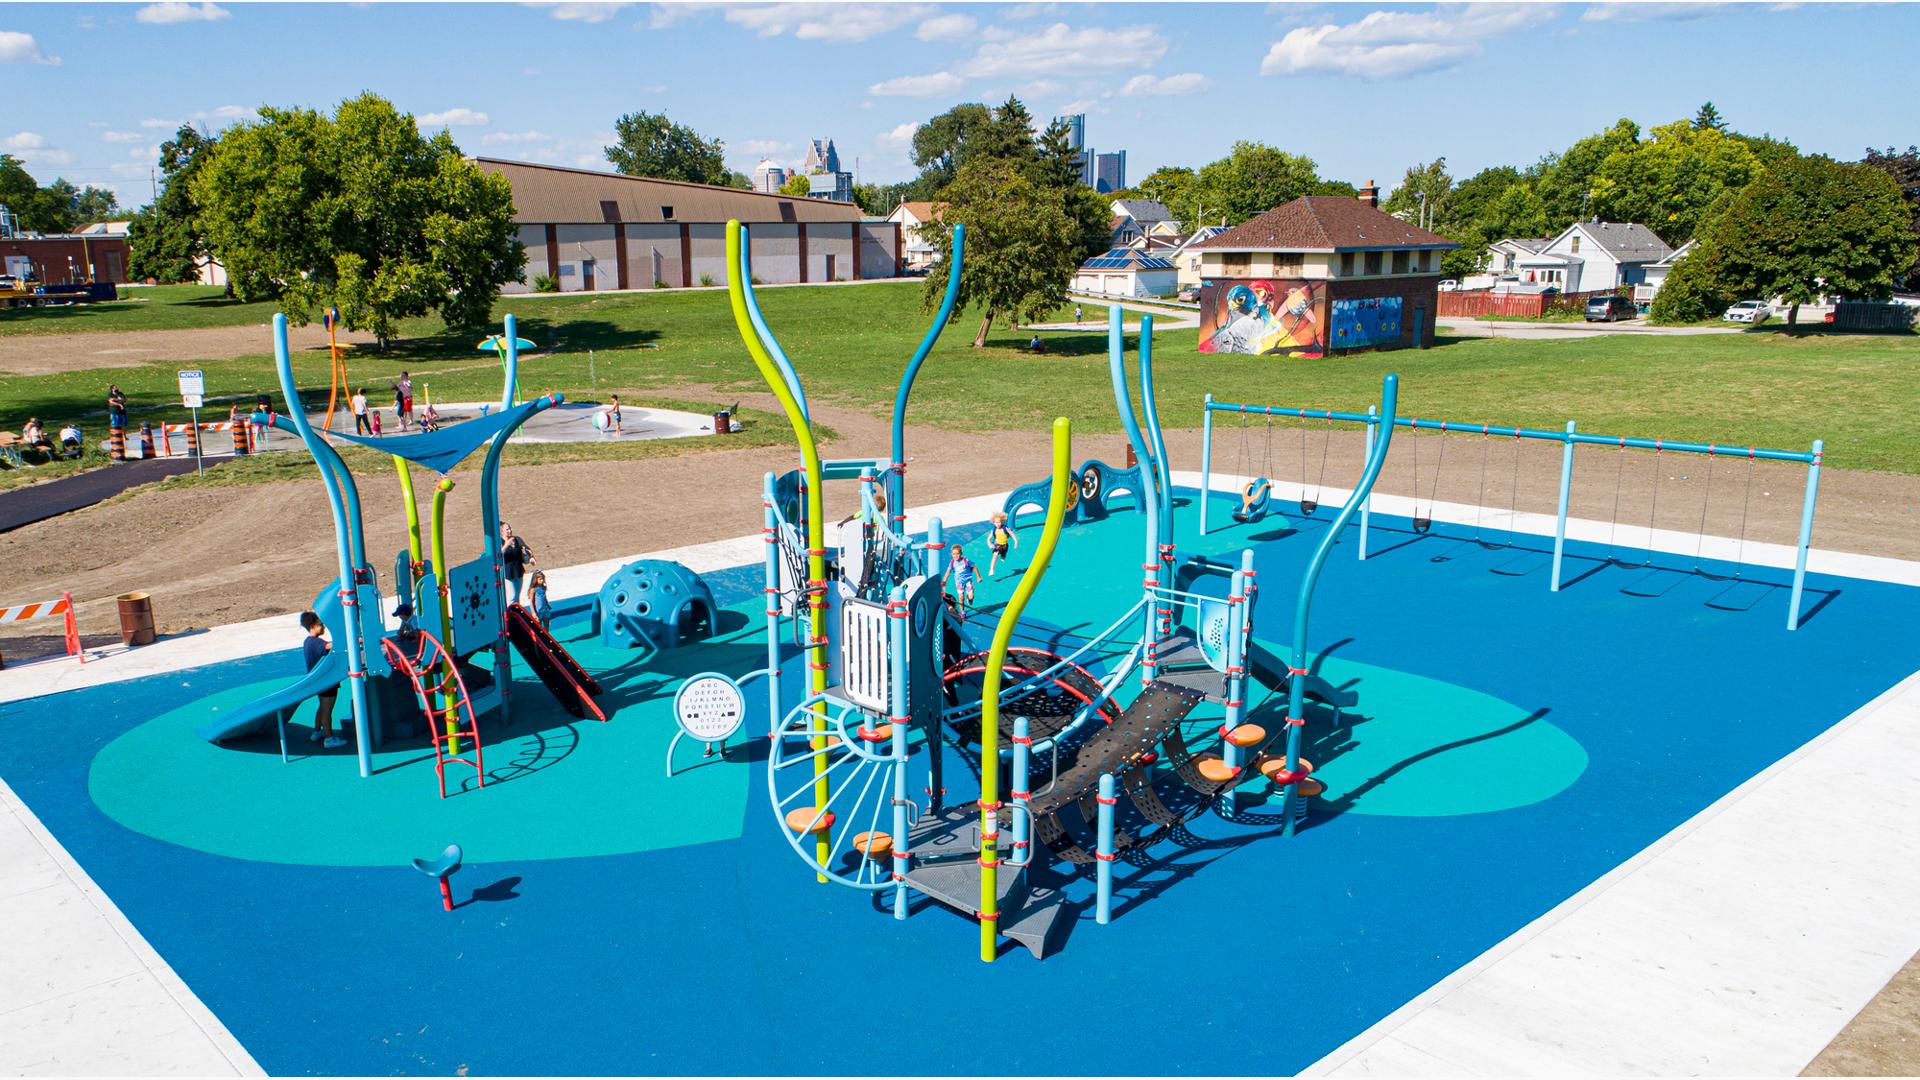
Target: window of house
(1373, 262)
(666, 213)
(609, 210)
(1288, 262)
(1400, 262)
(1238, 261)
(1576, 243)
(1346, 264)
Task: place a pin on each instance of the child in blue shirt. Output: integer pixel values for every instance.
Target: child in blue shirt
(537, 596)
(963, 573)
(314, 649)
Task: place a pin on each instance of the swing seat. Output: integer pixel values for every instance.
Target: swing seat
(1255, 499)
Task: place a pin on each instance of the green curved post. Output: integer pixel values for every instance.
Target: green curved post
(990, 692)
(415, 551)
(816, 519)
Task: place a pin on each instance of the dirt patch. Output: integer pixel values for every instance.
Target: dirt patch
(52, 354)
(219, 555)
(1884, 1040)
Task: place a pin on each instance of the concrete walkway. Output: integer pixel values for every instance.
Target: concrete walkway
(1540, 331)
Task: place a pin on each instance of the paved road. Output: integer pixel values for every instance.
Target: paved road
(1469, 327)
(37, 502)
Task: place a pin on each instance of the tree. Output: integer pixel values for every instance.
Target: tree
(948, 141)
(360, 211)
(1057, 163)
(1692, 291)
(1563, 181)
(1809, 228)
(1252, 179)
(1665, 182)
(1023, 245)
(1169, 185)
(1905, 170)
(1429, 180)
(1010, 135)
(1708, 119)
(737, 179)
(166, 241)
(797, 184)
(653, 146)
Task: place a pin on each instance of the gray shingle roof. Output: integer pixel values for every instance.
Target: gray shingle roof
(1626, 241)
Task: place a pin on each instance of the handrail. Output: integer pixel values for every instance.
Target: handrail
(896, 477)
(990, 691)
(1296, 686)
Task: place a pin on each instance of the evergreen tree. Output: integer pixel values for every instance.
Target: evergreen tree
(165, 241)
(1708, 119)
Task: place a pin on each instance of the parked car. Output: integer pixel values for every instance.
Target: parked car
(1190, 294)
(1753, 312)
(1449, 284)
(1610, 309)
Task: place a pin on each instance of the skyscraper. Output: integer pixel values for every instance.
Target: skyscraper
(822, 164)
(1110, 171)
(1077, 139)
(769, 176)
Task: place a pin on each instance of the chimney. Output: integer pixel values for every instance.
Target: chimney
(1370, 194)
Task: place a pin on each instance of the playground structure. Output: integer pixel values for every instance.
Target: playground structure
(895, 676)
(653, 604)
(1256, 501)
(455, 675)
(1095, 485)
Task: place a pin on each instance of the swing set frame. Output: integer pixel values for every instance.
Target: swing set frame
(1570, 438)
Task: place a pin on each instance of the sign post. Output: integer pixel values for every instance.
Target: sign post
(193, 387)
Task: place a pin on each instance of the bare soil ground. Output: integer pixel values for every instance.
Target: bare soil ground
(51, 354)
(1884, 1040)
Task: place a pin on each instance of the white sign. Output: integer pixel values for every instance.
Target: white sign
(709, 707)
(193, 384)
(191, 401)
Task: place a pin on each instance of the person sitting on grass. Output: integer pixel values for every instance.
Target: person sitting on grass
(315, 648)
(72, 443)
(963, 573)
(537, 597)
(1036, 345)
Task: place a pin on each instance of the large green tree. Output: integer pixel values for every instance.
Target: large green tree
(1809, 228)
(357, 210)
(1905, 170)
(166, 241)
(1667, 181)
(1168, 185)
(58, 207)
(649, 144)
(950, 140)
(1426, 190)
(1564, 181)
(1252, 179)
(1023, 245)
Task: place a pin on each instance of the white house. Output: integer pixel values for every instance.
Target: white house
(1593, 256)
(1186, 260)
(1126, 271)
(1655, 274)
(916, 221)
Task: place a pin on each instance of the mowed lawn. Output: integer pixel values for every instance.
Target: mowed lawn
(1858, 392)
(160, 307)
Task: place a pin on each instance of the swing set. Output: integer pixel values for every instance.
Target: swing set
(1256, 494)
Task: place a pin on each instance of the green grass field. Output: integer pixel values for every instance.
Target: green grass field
(850, 344)
(162, 307)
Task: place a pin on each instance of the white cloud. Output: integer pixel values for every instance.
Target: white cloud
(31, 147)
(459, 116)
(25, 140)
(177, 11)
(1655, 12)
(763, 148)
(122, 136)
(587, 12)
(1390, 44)
(507, 138)
(1191, 82)
(19, 48)
(946, 28)
(897, 141)
(935, 85)
(228, 112)
(151, 123)
(1061, 49)
(825, 22)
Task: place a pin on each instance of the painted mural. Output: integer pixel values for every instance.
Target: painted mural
(1365, 322)
(1263, 317)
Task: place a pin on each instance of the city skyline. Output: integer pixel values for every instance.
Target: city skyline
(97, 87)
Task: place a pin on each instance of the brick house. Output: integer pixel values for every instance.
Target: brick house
(1321, 274)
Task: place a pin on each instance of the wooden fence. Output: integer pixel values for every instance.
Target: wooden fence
(1525, 305)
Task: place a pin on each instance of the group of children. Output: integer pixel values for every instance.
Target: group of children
(963, 574)
(366, 420)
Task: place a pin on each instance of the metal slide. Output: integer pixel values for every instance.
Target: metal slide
(558, 671)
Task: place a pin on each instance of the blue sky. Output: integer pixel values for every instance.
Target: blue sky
(1363, 89)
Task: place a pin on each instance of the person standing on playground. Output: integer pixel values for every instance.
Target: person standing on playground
(315, 649)
(405, 388)
(999, 538)
(514, 557)
(963, 573)
(358, 403)
(537, 597)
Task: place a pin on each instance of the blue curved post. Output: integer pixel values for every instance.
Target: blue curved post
(743, 273)
(1154, 438)
(1560, 512)
(1150, 475)
(897, 477)
(511, 376)
(1806, 534)
(342, 542)
(1366, 504)
(490, 530)
(1296, 686)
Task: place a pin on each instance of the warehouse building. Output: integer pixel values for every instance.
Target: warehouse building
(595, 231)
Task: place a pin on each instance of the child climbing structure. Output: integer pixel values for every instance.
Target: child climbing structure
(448, 659)
(896, 682)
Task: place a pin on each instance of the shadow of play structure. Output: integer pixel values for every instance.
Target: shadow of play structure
(897, 674)
(448, 671)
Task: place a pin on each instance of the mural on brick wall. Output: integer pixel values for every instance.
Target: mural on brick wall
(1372, 320)
(1263, 317)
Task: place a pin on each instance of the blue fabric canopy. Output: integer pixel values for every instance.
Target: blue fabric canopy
(442, 450)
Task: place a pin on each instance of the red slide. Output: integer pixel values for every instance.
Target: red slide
(569, 682)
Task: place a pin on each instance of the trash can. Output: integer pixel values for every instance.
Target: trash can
(723, 423)
(136, 618)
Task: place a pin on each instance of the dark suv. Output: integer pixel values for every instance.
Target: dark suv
(1610, 309)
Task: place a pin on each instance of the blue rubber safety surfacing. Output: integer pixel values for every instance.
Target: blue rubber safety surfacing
(726, 957)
